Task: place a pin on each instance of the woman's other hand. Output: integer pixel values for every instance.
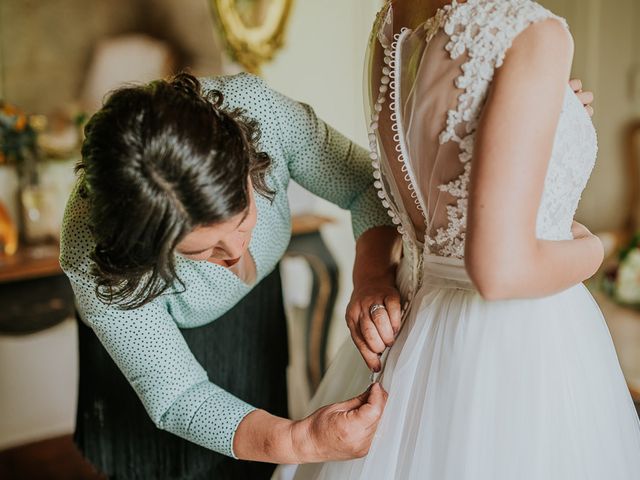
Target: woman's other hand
(340, 431)
(373, 317)
(585, 97)
(373, 314)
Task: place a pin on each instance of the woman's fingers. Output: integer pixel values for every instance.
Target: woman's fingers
(355, 402)
(394, 309)
(382, 321)
(371, 358)
(575, 84)
(370, 411)
(586, 98)
(345, 430)
(371, 335)
(374, 322)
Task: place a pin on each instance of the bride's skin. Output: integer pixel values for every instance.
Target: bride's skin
(513, 146)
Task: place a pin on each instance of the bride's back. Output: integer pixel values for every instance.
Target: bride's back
(427, 90)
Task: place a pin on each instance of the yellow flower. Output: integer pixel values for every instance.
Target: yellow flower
(21, 123)
(9, 110)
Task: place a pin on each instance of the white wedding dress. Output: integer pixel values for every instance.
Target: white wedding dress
(478, 390)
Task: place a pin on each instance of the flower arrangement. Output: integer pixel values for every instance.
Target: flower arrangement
(18, 140)
(27, 142)
(622, 282)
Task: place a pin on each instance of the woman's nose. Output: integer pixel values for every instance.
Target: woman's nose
(234, 248)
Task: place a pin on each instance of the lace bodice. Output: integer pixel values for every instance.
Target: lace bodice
(428, 87)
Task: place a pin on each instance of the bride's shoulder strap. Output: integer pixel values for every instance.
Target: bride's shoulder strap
(483, 31)
(487, 28)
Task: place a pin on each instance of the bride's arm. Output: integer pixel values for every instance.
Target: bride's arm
(513, 147)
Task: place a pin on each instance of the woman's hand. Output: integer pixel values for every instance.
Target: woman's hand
(373, 317)
(585, 97)
(373, 314)
(340, 431)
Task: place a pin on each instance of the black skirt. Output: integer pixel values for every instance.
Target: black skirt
(245, 352)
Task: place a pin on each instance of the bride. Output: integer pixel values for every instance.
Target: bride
(503, 367)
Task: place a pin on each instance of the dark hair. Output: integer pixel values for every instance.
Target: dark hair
(158, 161)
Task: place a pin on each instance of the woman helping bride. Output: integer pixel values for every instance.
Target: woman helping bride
(503, 367)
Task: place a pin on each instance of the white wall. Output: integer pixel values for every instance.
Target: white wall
(38, 383)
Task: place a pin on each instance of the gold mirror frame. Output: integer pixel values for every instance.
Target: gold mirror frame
(252, 46)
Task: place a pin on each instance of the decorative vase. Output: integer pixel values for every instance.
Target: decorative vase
(19, 147)
(31, 200)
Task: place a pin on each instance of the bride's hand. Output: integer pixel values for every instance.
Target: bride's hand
(341, 431)
(585, 97)
(580, 232)
(373, 317)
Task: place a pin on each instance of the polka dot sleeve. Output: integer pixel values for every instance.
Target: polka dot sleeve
(151, 352)
(329, 165)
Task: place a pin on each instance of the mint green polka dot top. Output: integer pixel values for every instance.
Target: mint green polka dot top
(146, 342)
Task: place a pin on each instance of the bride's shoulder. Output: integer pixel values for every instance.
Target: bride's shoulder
(530, 27)
(550, 31)
(490, 27)
(502, 15)
(536, 52)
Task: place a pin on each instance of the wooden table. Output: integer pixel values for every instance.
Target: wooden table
(30, 262)
(34, 292)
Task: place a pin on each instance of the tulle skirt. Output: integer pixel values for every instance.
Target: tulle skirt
(518, 389)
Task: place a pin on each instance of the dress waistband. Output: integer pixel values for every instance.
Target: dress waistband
(446, 272)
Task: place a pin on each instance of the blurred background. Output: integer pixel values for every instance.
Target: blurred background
(58, 58)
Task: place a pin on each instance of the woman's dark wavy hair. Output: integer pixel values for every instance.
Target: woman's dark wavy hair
(158, 161)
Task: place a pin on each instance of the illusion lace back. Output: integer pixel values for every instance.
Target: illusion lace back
(428, 87)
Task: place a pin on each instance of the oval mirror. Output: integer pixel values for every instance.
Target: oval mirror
(253, 30)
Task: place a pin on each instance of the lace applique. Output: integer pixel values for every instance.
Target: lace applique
(572, 161)
(484, 30)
